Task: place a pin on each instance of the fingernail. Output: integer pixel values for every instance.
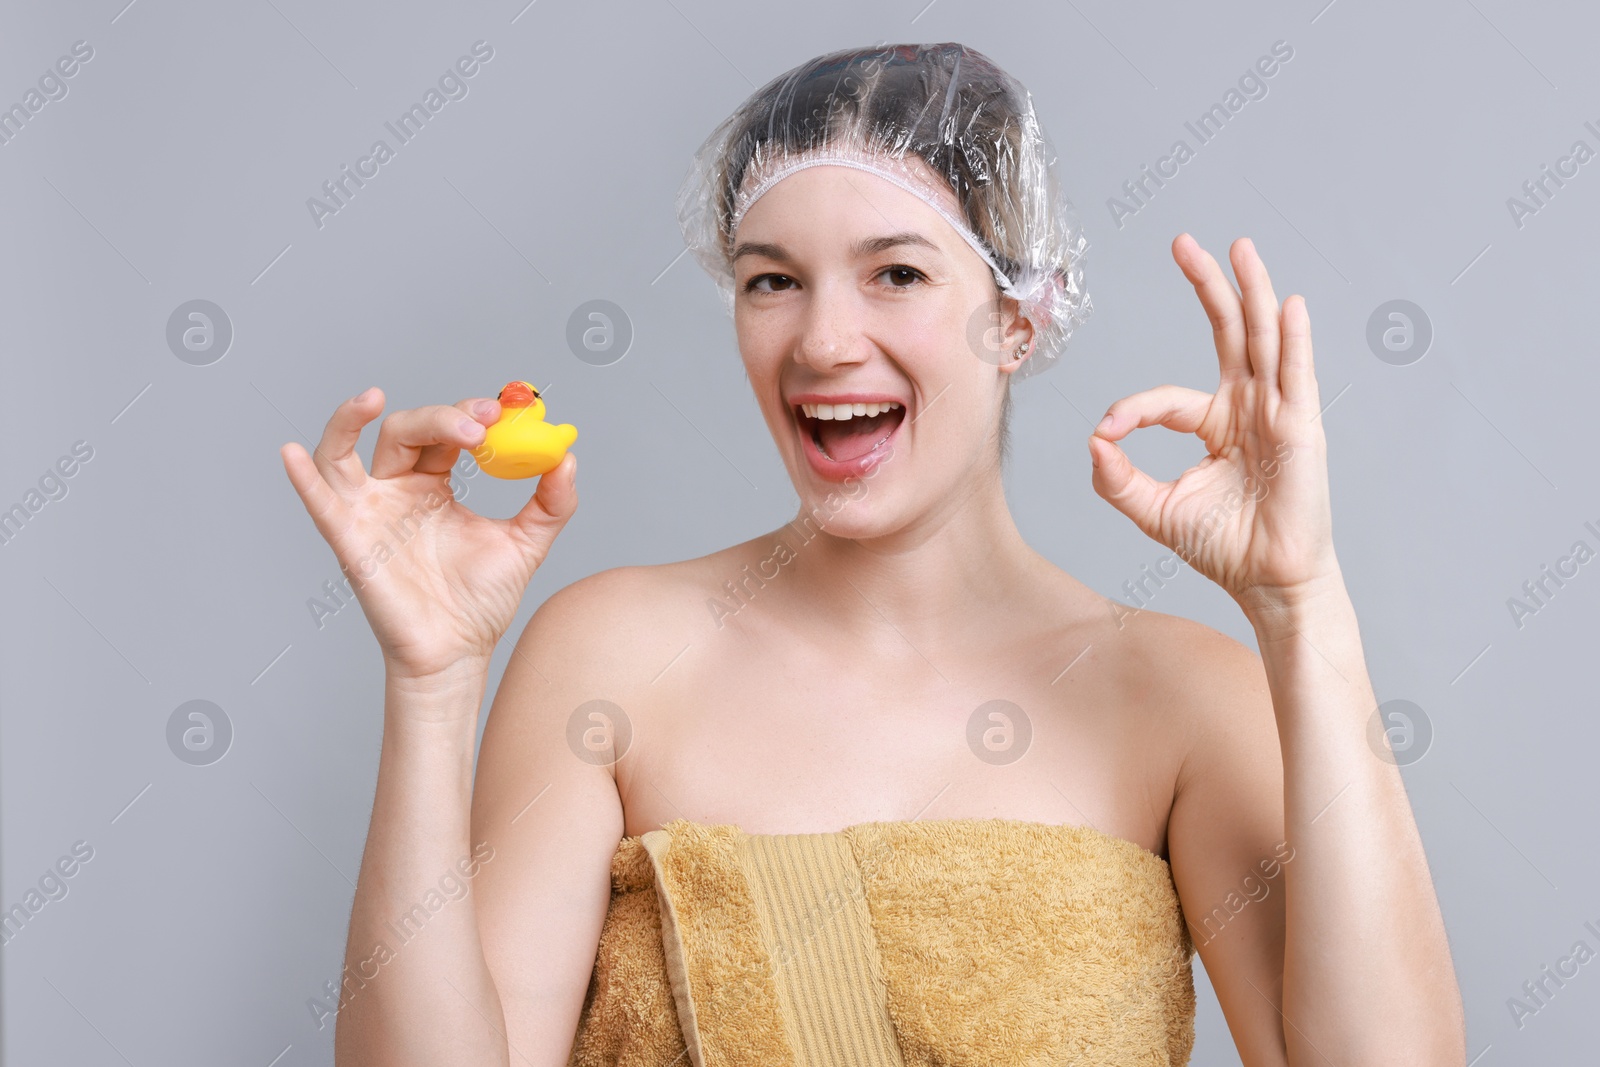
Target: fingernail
(485, 407)
(362, 395)
(469, 427)
(1105, 423)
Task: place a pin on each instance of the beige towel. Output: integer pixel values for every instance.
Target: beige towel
(890, 944)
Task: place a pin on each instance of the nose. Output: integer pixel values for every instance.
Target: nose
(832, 333)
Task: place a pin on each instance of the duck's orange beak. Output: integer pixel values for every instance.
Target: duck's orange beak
(518, 395)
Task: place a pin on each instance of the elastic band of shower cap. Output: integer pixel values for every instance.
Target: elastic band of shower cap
(939, 121)
(890, 169)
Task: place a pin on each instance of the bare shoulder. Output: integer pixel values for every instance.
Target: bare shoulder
(617, 619)
(610, 635)
(1210, 686)
(1173, 643)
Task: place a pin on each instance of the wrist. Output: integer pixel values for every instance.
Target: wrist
(1279, 611)
(466, 673)
(455, 706)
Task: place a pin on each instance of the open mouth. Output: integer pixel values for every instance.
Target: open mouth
(845, 433)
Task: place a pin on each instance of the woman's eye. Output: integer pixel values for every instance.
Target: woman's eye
(754, 284)
(901, 277)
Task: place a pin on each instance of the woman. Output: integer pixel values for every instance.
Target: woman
(838, 712)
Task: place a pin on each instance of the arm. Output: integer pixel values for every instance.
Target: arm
(1321, 934)
(555, 820)
(1367, 973)
(418, 986)
(1225, 836)
(499, 974)
(418, 1000)
(1356, 933)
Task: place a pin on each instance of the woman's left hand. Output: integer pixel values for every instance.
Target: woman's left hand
(1253, 515)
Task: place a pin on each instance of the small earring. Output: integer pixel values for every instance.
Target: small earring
(1022, 350)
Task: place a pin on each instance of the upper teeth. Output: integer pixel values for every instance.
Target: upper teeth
(845, 411)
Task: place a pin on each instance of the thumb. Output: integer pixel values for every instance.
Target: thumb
(1121, 484)
(552, 504)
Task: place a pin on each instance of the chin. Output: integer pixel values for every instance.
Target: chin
(858, 508)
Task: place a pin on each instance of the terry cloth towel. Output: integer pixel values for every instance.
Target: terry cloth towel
(944, 943)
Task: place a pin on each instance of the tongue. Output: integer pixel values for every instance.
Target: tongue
(848, 439)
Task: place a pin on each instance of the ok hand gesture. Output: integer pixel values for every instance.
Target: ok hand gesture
(1253, 515)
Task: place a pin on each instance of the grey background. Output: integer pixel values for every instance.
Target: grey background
(179, 563)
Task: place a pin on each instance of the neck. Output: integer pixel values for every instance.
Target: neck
(953, 564)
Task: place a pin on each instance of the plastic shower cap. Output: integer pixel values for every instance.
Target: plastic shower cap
(934, 119)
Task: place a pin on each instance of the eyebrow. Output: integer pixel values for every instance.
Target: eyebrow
(867, 246)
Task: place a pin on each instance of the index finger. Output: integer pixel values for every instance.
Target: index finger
(335, 455)
(438, 458)
(1221, 302)
(1176, 407)
(428, 439)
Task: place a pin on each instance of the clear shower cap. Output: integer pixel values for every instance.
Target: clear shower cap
(935, 120)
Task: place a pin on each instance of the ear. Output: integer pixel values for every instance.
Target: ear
(1018, 332)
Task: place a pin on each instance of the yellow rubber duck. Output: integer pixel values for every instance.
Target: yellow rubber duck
(521, 444)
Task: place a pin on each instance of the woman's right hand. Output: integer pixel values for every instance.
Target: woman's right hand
(439, 584)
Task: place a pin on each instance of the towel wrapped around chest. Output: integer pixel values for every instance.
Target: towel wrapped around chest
(945, 943)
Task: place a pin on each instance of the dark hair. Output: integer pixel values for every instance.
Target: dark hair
(889, 88)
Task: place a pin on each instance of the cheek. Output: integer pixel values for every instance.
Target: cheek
(760, 345)
(765, 328)
(945, 353)
(762, 351)
(943, 327)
